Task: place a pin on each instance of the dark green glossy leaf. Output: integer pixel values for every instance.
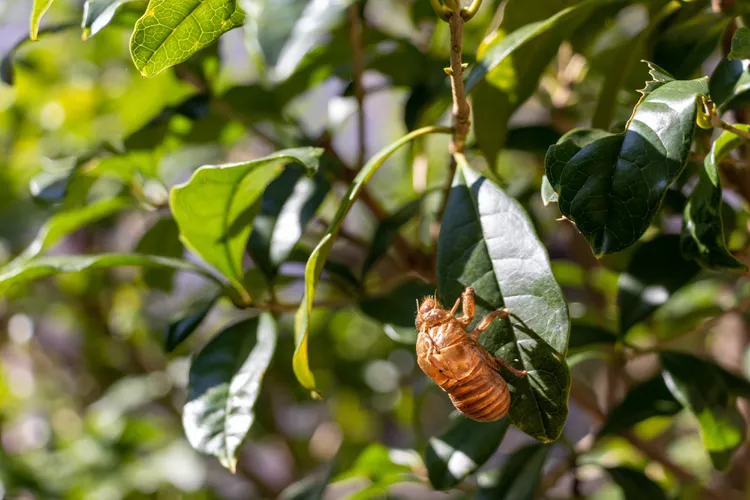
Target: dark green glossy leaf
(487, 242)
(387, 230)
(216, 207)
(702, 236)
(51, 266)
(709, 392)
(224, 383)
(645, 400)
(635, 485)
(97, 14)
(557, 157)
(462, 449)
(612, 187)
(288, 204)
(586, 336)
(656, 270)
(163, 238)
(319, 255)
(740, 44)
(519, 477)
(179, 330)
(170, 32)
(730, 84)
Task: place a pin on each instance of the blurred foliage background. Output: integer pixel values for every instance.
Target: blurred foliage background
(91, 399)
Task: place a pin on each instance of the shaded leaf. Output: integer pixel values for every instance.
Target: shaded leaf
(709, 392)
(396, 309)
(702, 235)
(97, 14)
(320, 254)
(656, 270)
(288, 204)
(51, 266)
(519, 476)
(163, 238)
(729, 84)
(381, 467)
(310, 488)
(179, 330)
(215, 208)
(487, 242)
(462, 449)
(170, 32)
(643, 401)
(387, 230)
(612, 187)
(689, 41)
(635, 485)
(585, 336)
(740, 44)
(224, 383)
(40, 8)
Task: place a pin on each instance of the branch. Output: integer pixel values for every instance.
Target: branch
(719, 123)
(461, 109)
(358, 56)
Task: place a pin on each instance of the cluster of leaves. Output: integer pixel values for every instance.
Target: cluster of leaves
(646, 162)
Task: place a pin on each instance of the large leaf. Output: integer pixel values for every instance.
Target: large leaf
(163, 238)
(645, 400)
(223, 385)
(740, 44)
(656, 270)
(170, 32)
(97, 14)
(612, 187)
(462, 449)
(709, 392)
(730, 84)
(511, 62)
(519, 476)
(40, 8)
(702, 236)
(319, 255)
(288, 204)
(215, 208)
(487, 242)
(377, 464)
(635, 485)
(51, 266)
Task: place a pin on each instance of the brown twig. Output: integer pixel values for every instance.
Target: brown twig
(461, 109)
(358, 56)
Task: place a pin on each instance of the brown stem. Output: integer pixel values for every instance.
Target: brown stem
(461, 109)
(358, 56)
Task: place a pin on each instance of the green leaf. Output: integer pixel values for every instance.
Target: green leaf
(709, 392)
(613, 187)
(487, 242)
(702, 236)
(223, 386)
(635, 485)
(64, 223)
(519, 476)
(215, 208)
(585, 336)
(378, 465)
(40, 8)
(163, 238)
(656, 270)
(97, 14)
(462, 449)
(396, 309)
(51, 266)
(7, 73)
(319, 255)
(730, 84)
(387, 230)
(288, 204)
(645, 400)
(569, 144)
(310, 488)
(179, 330)
(509, 66)
(169, 32)
(548, 192)
(740, 44)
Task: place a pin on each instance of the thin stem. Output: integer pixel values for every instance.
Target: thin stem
(461, 109)
(719, 123)
(358, 56)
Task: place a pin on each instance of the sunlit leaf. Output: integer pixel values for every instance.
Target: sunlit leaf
(39, 9)
(378, 465)
(97, 14)
(170, 32)
(224, 383)
(320, 254)
(215, 208)
(645, 400)
(519, 477)
(635, 485)
(740, 44)
(487, 242)
(612, 187)
(461, 449)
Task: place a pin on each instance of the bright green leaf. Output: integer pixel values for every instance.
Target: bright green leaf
(709, 392)
(740, 44)
(613, 187)
(180, 329)
(169, 32)
(51, 266)
(215, 208)
(635, 485)
(223, 386)
(40, 8)
(97, 14)
(462, 449)
(379, 466)
(702, 236)
(645, 400)
(487, 242)
(163, 238)
(519, 477)
(656, 270)
(319, 255)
